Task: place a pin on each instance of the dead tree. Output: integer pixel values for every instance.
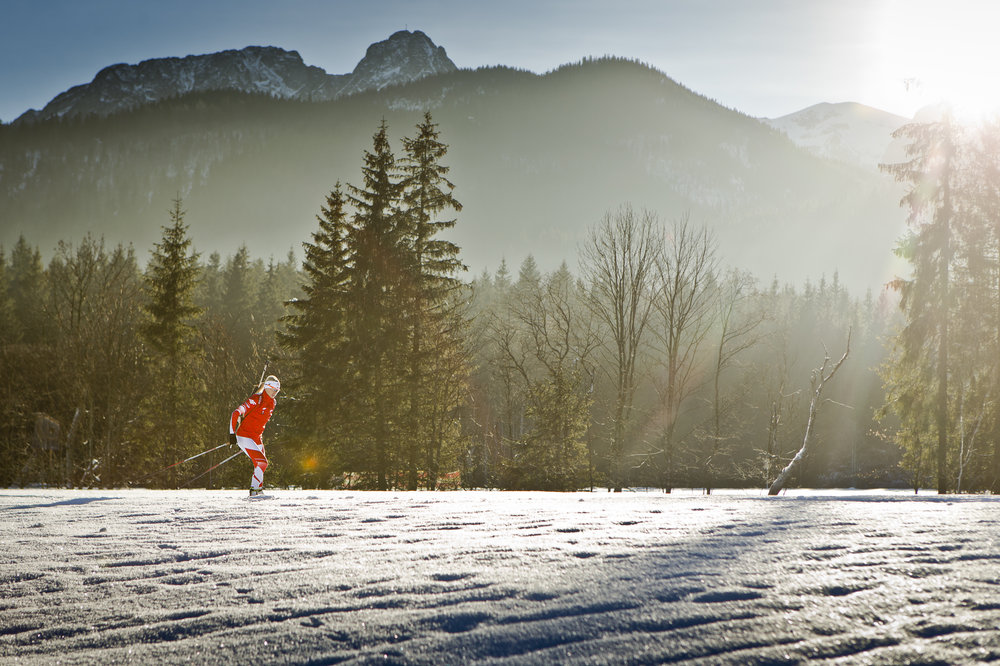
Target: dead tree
(820, 377)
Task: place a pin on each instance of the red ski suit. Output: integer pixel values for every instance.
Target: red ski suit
(255, 412)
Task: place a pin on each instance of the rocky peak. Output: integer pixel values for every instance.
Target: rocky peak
(404, 57)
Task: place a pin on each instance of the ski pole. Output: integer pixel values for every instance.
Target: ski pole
(212, 467)
(267, 362)
(197, 455)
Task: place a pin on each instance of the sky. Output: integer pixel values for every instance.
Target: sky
(766, 58)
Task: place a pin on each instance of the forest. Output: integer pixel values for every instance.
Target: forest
(655, 364)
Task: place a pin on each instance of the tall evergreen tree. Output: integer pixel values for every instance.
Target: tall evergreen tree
(376, 331)
(170, 281)
(434, 326)
(932, 173)
(316, 334)
(377, 334)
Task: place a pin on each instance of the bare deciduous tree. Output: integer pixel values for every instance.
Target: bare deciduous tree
(619, 262)
(738, 330)
(686, 274)
(550, 351)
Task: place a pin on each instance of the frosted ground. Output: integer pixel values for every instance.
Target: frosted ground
(325, 577)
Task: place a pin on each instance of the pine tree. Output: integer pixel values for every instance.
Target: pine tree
(380, 289)
(316, 328)
(932, 174)
(170, 283)
(376, 332)
(434, 326)
(315, 333)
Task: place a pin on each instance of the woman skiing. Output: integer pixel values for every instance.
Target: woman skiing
(246, 426)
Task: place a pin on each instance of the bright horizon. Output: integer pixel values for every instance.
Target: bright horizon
(766, 59)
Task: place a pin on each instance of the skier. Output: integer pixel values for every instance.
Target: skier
(246, 427)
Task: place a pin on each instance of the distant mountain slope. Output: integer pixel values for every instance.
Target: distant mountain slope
(536, 160)
(404, 57)
(847, 132)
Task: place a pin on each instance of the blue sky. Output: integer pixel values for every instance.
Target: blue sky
(763, 57)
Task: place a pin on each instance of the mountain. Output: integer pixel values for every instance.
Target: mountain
(536, 159)
(404, 57)
(847, 132)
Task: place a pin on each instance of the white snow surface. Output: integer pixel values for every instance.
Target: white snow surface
(329, 577)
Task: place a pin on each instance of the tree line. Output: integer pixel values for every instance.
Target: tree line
(121, 371)
(654, 365)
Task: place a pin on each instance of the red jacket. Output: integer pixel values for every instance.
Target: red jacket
(256, 411)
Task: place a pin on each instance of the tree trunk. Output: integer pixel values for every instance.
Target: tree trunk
(820, 377)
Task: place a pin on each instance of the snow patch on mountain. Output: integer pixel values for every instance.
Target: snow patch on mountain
(845, 132)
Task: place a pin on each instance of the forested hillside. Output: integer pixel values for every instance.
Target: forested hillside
(543, 157)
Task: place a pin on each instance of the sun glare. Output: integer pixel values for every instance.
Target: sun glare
(933, 53)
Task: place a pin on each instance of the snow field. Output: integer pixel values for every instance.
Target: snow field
(328, 577)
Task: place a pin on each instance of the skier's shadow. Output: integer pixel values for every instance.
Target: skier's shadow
(69, 502)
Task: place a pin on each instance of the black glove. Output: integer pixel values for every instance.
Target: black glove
(232, 439)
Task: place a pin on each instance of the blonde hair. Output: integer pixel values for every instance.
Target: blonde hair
(260, 389)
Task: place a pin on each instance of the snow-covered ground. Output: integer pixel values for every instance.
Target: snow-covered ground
(326, 577)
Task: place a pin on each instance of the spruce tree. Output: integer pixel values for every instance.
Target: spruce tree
(376, 331)
(170, 282)
(434, 358)
(932, 173)
(316, 329)
(378, 285)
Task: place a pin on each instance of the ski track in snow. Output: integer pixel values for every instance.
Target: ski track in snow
(329, 577)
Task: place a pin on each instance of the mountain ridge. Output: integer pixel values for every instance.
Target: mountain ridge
(404, 57)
